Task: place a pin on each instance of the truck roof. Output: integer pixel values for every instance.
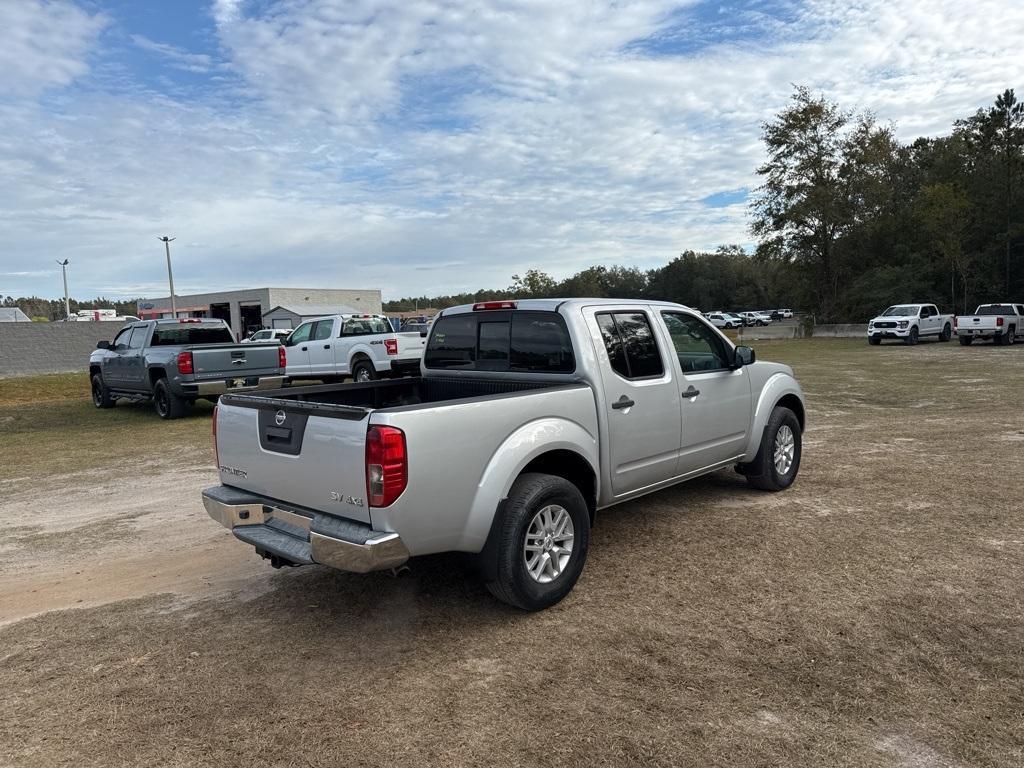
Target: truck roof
(553, 305)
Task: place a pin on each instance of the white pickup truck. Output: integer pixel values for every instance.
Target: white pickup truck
(358, 345)
(1002, 323)
(910, 322)
(529, 418)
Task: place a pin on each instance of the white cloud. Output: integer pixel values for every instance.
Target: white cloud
(431, 146)
(178, 57)
(44, 44)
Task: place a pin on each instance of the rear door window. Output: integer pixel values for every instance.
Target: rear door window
(632, 348)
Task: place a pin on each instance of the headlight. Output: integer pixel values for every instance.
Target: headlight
(904, 323)
(871, 324)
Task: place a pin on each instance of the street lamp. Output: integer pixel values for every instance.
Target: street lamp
(170, 276)
(67, 301)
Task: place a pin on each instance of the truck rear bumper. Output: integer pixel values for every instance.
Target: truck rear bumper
(240, 384)
(301, 537)
(407, 367)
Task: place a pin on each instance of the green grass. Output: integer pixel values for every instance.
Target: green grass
(50, 426)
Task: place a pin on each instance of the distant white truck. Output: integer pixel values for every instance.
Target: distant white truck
(100, 315)
(910, 323)
(1002, 323)
(358, 345)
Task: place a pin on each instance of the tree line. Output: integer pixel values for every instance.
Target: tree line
(848, 220)
(39, 309)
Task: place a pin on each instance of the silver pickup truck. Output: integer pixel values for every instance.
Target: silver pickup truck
(529, 417)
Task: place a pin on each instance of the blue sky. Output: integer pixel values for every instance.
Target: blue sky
(431, 146)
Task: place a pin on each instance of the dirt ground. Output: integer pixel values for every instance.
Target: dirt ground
(869, 616)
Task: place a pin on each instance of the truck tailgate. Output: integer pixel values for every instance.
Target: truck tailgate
(308, 455)
(978, 323)
(212, 361)
(410, 345)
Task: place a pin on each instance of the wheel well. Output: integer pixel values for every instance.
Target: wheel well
(155, 374)
(93, 370)
(793, 403)
(358, 357)
(572, 467)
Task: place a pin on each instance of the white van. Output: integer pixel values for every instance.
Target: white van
(361, 346)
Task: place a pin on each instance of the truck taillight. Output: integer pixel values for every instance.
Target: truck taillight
(185, 362)
(956, 322)
(391, 346)
(999, 322)
(282, 357)
(387, 465)
(216, 453)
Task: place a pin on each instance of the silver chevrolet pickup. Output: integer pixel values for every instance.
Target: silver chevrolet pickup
(528, 418)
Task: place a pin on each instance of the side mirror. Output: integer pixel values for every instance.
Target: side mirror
(743, 356)
(102, 345)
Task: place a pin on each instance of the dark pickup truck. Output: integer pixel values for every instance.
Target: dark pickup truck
(177, 361)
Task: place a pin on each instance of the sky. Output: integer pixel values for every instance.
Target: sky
(428, 147)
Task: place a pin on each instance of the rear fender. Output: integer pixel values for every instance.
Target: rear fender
(363, 349)
(777, 387)
(511, 457)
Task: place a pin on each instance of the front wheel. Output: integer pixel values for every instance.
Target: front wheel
(167, 404)
(777, 462)
(911, 338)
(542, 543)
(1011, 335)
(965, 341)
(874, 340)
(947, 333)
(100, 394)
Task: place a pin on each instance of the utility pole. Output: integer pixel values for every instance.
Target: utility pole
(67, 301)
(170, 276)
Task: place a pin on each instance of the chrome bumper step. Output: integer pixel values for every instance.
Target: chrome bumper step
(303, 536)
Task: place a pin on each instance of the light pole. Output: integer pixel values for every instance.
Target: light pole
(67, 301)
(170, 276)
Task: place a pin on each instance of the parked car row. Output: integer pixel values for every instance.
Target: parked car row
(721, 319)
(1000, 323)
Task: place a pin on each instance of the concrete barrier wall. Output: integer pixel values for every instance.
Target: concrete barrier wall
(848, 331)
(30, 348)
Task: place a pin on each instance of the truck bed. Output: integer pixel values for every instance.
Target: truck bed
(355, 400)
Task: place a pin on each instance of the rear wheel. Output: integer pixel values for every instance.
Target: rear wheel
(167, 404)
(363, 371)
(542, 543)
(965, 341)
(100, 394)
(999, 340)
(778, 459)
(947, 333)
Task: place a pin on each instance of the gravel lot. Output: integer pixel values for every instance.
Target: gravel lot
(871, 615)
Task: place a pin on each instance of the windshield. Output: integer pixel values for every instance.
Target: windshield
(900, 311)
(995, 309)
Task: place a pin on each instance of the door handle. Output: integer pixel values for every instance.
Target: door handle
(327, 346)
(623, 402)
(305, 349)
(691, 391)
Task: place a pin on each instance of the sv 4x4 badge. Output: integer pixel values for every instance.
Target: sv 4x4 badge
(343, 499)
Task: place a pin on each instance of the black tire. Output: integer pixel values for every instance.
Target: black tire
(911, 338)
(762, 472)
(100, 394)
(947, 333)
(874, 340)
(512, 582)
(167, 404)
(363, 370)
(1011, 336)
(1000, 340)
(965, 341)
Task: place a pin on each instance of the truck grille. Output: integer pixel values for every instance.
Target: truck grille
(885, 324)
